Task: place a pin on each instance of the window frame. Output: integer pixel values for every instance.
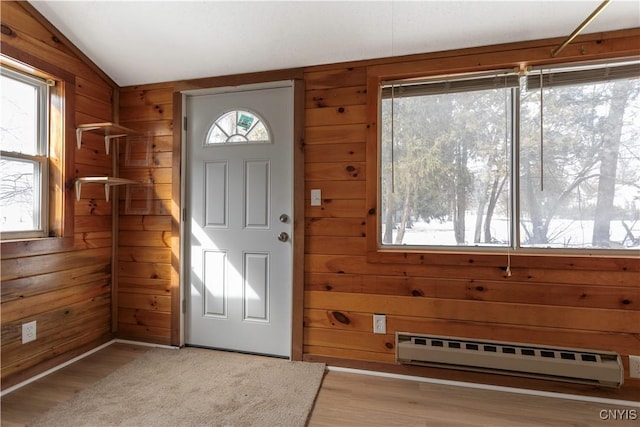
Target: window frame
(465, 83)
(40, 159)
(556, 76)
(61, 156)
(521, 56)
(563, 75)
(227, 142)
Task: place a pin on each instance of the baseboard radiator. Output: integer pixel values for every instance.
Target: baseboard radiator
(516, 359)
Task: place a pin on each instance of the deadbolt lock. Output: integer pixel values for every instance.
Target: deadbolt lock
(283, 237)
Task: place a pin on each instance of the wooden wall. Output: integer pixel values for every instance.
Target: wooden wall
(559, 301)
(66, 289)
(576, 302)
(583, 302)
(147, 281)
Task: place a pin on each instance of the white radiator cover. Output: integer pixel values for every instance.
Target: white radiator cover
(517, 359)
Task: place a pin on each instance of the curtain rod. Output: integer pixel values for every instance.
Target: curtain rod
(580, 27)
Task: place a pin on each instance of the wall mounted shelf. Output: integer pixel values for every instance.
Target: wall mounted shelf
(107, 181)
(108, 130)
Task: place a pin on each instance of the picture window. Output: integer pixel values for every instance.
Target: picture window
(545, 160)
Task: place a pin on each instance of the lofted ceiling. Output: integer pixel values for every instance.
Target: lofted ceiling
(138, 42)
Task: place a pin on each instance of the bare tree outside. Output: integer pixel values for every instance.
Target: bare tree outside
(19, 168)
(579, 190)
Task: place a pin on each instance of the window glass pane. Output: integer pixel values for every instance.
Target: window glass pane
(19, 195)
(217, 135)
(236, 127)
(445, 168)
(258, 133)
(227, 123)
(24, 145)
(580, 189)
(19, 116)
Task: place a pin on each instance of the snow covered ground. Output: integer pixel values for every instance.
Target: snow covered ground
(567, 233)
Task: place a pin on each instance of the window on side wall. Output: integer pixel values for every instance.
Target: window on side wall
(496, 160)
(24, 145)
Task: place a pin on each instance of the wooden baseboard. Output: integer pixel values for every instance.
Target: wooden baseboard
(146, 344)
(53, 362)
(629, 391)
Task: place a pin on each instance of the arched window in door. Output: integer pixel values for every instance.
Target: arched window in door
(237, 127)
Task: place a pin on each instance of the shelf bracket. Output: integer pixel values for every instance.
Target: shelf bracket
(78, 190)
(79, 132)
(107, 187)
(107, 141)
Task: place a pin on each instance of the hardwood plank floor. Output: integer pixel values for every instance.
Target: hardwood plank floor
(359, 400)
(347, 399)
(32, 400)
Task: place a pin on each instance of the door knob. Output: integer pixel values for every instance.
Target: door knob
(284, 218)
(283, 237)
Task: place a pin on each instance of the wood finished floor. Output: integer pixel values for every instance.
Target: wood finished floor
(345, 399)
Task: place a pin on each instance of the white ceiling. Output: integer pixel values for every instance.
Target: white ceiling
(137, 42)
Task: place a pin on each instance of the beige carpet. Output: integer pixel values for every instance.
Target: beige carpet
(195, 387)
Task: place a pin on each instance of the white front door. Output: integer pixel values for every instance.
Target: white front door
(239, 222)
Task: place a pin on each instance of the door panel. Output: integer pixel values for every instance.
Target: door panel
(240, 276)
(256, 202)
(215, 277)
(217, 199)
(256, 287)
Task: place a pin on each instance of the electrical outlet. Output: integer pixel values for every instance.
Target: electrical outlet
(28, 332)
(379, 324)
(634, 366)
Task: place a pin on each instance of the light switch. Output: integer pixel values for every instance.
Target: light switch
(316, 197)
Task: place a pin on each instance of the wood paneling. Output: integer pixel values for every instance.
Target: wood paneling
(349, 152)
(621, 298)
(361, 265)
(334, 78)
(583, 302)
(588, 302)
(147, 280)
(66, 291)
(336, 97)
(332, 190)
(581, 318)
(341, 227)
(141, 96)
(338, 134)
(350, 114)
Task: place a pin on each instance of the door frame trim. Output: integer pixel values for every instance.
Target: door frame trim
(178, 210)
